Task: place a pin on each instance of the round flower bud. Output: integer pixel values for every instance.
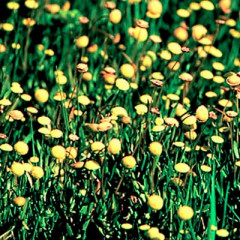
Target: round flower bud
(126, 119)
(19, 201)
(21, 148)
(141, 34)
(122, 84)
(82, 41)
(189, 120)
(92, 165)
(126, 226)
(52, 8)
(233, 80)
(87, 76)
(8, 27)
(198, 31)
(127, 70)
(174, 48)
(191, 135)
(17, 169)
(56, 133)
(41, 95)
(62, 79)
(225, 5)
(13, 5)
(155, 148)
(114, 146)
(174, 65)
(202, 114)
(155, 7)
(185, 212)
(181, 34)
(58, 152)
(182, 167)
(153, 232)
(115, 16)
(97, 146)
(37, 172)
(82, 67)
(6, 147)
(71, 152)
(129, 162)
(155, 202)
(223, 233)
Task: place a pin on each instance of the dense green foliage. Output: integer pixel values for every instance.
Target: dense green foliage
(115, 87)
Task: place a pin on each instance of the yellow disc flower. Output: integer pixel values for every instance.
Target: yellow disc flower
(155, 202)
(141, 34)
(115, 16)
(19, 201)
(17, 169)
(185, 212)
(97, 146)
(129, 162)
(114, 146)
(155, 148)
(41, 95)
(21, 148)
(82, 41)
(37, 172)
(58, 152)
(127, 70)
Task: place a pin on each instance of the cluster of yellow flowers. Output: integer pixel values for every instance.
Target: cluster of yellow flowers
(118, 95)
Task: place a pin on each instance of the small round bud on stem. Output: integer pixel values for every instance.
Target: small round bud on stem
(82, 67)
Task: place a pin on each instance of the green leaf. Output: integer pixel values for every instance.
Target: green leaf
(235, 149)
(69, 230)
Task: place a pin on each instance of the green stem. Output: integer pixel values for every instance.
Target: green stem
(121, 180)
(213, 222)
(26, 50)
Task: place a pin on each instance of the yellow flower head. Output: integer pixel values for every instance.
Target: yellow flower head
(198, 31)
(84, 100)
(155, 148)
(154, 9)
(155, 202)
(82, 42)
(37, 172)
(92, 165)
(41, 95)
(141, 34)
(13, 5)
(58, 152)
(62, 79)
(21, 148)
(97, 146)
(32, 4)
(129, 162)
(122, 84)
(19, 201)
(141, 109)
(222, 233)
(8, 27)
(114, 146)
(182, 167)
(17, 169)
(185, 212)
(127, 70)
(181, 34)
(115, 16)
(202, 113)
(71, 152)
(126, 226)
(6, 147)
